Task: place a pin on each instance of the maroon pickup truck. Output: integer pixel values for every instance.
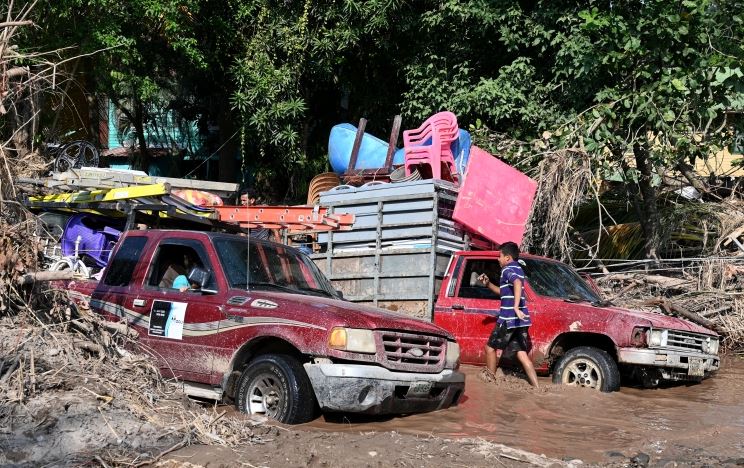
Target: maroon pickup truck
(257, 323)
(576, 335)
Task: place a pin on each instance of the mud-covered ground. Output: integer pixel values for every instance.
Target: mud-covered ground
(505, 423)
(360, 449)
(681, 425)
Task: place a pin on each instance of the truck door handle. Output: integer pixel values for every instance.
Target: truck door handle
(139, 302)
(458, 306)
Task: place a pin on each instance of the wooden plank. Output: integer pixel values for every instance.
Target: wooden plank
(357, 276)
(370, 253)
(385, 297)
(433, 265)
(386, 192)
(672, 308)
(40, 276)
(357, 144)
(378, 246)
(394, 133)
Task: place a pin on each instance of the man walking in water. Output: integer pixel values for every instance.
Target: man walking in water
(514, 318)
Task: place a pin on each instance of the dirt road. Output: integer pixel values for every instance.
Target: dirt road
(683, 425)
(89, 419)
(667, 423)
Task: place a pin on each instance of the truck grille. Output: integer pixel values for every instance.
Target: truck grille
(677, 339)
(412, 352)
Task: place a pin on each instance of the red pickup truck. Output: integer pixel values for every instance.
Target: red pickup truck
(257, 323)
(579, 338)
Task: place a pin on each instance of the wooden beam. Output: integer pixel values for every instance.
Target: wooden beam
(357, 145)
(38, 276)
(394, 133)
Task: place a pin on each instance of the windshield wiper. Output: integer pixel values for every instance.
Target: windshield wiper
(574, 298)
(319, 291)
(275, 286)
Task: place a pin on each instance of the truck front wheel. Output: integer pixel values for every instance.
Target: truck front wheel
(276, 386)
(589, 367)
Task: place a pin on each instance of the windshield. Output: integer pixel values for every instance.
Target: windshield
(270, 267)
(554, 279)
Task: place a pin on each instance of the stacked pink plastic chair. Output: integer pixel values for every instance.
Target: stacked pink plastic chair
(430, 145)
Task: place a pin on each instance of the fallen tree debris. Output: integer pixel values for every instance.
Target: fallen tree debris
(41, 276)
(709, 293)
(671, 308)
(666, 282)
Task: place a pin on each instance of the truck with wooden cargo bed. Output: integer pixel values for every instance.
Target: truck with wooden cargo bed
(406, 253)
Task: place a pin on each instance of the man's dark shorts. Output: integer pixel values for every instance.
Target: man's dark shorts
(501, 337)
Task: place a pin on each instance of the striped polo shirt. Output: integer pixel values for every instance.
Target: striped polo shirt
(509, 274)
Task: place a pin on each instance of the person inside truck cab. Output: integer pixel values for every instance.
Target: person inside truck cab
(174, 264)
(512, 327)
(180, 264)
(181, 282)
(169, 275)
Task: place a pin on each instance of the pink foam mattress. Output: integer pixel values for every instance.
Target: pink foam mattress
(495, 199)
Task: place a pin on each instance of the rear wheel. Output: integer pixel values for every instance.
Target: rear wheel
(588, 367)
(276, 386)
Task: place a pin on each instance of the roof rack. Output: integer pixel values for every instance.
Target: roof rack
(155, 205)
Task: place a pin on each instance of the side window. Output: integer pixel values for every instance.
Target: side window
(174, 261)
(470, 287)
(300, 270)
(275, 264)
(257, 265)
(453, 280)
(121, 269)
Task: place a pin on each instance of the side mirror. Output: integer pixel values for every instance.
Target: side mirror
(201, 277)
(474, 280)
(339, 294)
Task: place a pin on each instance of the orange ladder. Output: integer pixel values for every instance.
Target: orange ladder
(296, 218)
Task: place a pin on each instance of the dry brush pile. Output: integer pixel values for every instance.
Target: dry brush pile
(76, 389)
(707, 292)
(564, 178)
(707, 289)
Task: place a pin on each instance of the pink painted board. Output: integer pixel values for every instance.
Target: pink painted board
(495, 199)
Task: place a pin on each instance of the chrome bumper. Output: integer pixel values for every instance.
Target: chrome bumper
(370, 389)
(697, 365)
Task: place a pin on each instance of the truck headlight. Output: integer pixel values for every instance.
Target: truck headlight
(710, 345)
(657, 338)
(639, 337)
(355, 340)
(452, 358)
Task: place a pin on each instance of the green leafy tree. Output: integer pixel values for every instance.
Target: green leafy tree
(298, 62)
(643, 86)
(135, 53)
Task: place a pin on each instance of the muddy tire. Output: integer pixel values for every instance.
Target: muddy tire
(276, 386)
(588, 367)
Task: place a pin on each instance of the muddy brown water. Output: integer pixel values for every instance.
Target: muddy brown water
(562, 422)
